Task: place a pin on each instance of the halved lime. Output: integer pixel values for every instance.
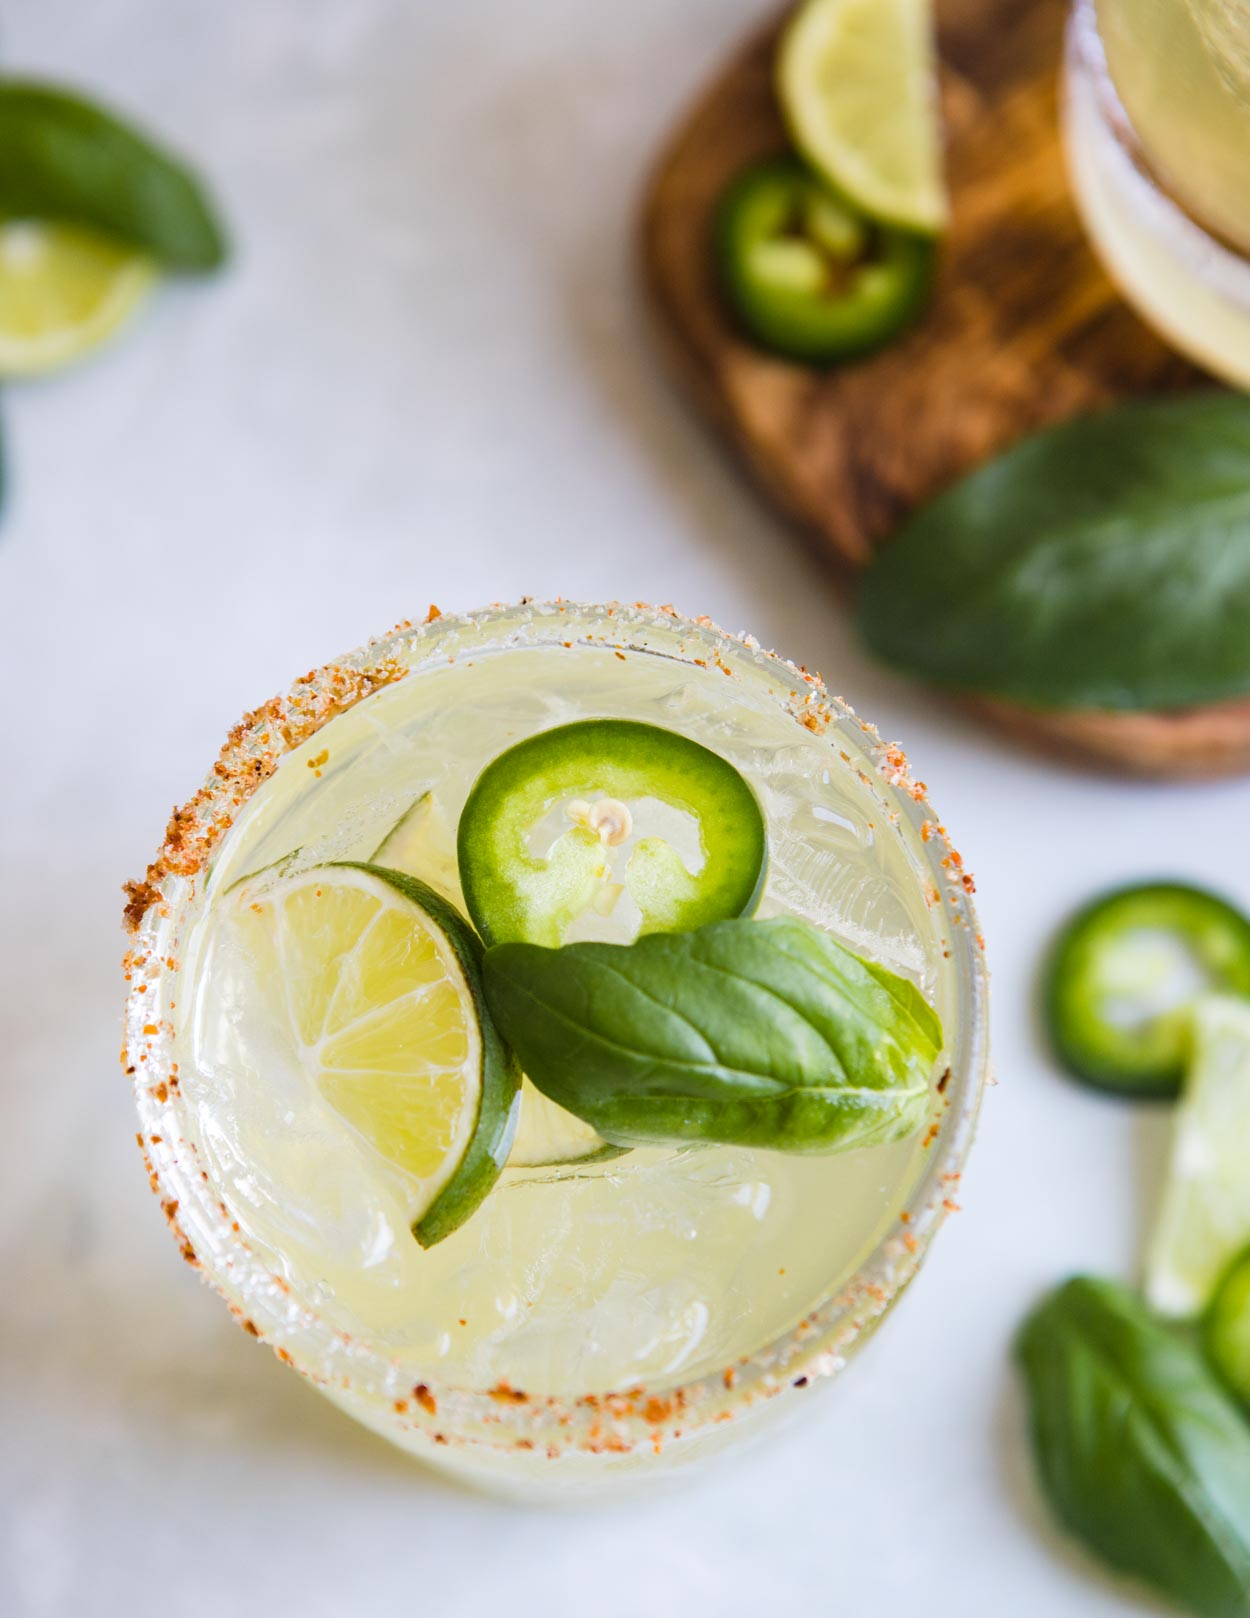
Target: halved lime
(610, 825)
(858, 87)
(1204, 1219)
(377, 980)
(421, 843)
(63, 290)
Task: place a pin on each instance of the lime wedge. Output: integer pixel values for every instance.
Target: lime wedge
(858, 87)
(1204, 1219)
(1226, 1329)
(376, 981)
(422, 844)
(63, 291)
(265, 874)
(550, 1137)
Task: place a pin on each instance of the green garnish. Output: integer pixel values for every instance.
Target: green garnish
(420, 842)
(856, 84)
(64, 291)
(1202, 1219)
(1141, 1452)
(1124, 975)
(1102, 564)
(808, 275)
(1226, 1328)
(66, 159)
(600, 780)
(371, 984)
(761, 1033)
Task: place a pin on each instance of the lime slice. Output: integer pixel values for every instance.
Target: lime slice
(63, 290)
(376, 980)
(422, 844)
(1205, 1216)
(857, 85)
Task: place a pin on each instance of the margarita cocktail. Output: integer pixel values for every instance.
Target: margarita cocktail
(384, 972)
(1158, 125)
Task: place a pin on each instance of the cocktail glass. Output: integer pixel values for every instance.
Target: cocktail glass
(1157, 127)
(855, 847)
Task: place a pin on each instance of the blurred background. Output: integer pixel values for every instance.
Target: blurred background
(426, 376)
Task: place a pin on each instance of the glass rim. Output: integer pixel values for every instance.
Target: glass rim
(352, 1370)
(1202, 253)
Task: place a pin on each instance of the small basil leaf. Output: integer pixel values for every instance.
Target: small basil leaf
(63, 158)
(1102, 564)
(758, 1033)
(1142, 1453)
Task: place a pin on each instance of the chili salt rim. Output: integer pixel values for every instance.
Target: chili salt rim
(503, 1418)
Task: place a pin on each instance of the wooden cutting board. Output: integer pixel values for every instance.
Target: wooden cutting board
(1025, 329)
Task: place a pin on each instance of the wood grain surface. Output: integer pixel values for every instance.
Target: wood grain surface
(1024, 330)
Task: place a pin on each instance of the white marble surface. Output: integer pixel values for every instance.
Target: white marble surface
(426, 378)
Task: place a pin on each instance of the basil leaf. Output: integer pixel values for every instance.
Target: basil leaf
(1142, 1453)
(1102, 564)
(63, 158)
(760, 1033)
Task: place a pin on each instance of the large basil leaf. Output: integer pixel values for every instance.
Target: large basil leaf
(1142, 1453)
(763, 1033)
(1102, 564)
(64, 158)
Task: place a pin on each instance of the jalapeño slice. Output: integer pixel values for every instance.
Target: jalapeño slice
(619, 827)
(810, 277)
(1125, 972)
